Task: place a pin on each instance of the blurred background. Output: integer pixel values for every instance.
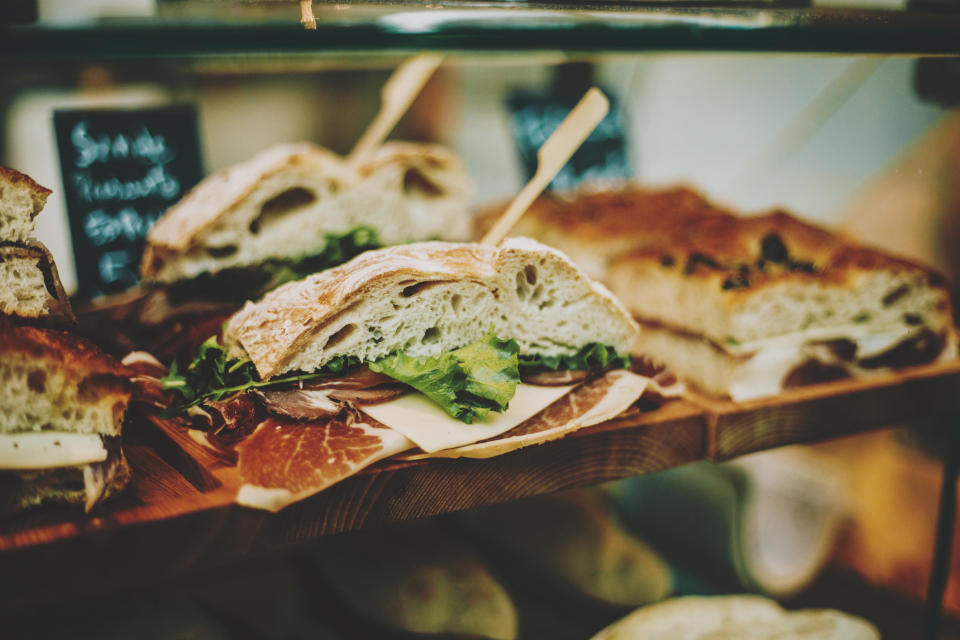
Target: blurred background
(866, 144)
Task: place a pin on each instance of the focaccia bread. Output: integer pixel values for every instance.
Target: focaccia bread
(284, 203)
(21, 199)
(745, 306)
(31, 285)
(426, 298)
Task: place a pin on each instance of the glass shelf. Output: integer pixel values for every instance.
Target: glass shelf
(200, 30)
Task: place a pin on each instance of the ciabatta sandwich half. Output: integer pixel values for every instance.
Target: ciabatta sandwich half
(292, 202)
(747, 306)
(448, 349)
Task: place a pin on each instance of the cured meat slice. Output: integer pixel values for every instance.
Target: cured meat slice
(300, 405)
(372, 395)
(593, 402)
(556, 378)
(284, 461)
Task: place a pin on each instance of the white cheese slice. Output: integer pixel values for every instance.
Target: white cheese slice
(764, 373)
(432, 429)
(868, 338)
(50, 449)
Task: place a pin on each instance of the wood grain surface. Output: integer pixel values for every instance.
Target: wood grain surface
(179, 513)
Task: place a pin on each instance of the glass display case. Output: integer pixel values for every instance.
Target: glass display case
(842, 114)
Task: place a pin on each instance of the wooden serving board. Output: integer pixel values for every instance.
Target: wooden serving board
(179, 513)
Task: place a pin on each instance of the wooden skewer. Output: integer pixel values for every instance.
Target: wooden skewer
(396, 97)
(551, 157)
(306, 15)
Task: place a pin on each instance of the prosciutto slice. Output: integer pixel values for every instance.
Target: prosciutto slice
(592, 403)
(284, 461)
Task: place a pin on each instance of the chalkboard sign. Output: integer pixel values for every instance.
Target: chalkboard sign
(121, 169)
(603, 156)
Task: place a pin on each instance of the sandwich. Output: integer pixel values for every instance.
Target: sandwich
(435, 349)
(63, 400)
(62, 406)
(744, 307)
(298, 208)
(31, 285)
(290, 211)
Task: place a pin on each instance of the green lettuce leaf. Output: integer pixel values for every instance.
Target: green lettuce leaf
(592, 357)
(467, 383)
(214, 376)
(337, 249)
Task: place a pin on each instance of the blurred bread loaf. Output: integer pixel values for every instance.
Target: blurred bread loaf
(735, 618)
(572, 538)
(419, 580)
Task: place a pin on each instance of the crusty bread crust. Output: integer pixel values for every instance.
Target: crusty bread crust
(26, 265)
(273, 331)
(672, 225)
(12, 176)
(21, 199)
(216, 195)
(77, 355)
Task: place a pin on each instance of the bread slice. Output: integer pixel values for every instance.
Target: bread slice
(30, 287)
(55, 381)
(428, 298)
(724, 296)
(21, 199)
(283, 202)
(743, 617)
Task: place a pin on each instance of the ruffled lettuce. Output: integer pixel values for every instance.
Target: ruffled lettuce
(337, 249)
(467, 383)
(593, 357)
(213, 375)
